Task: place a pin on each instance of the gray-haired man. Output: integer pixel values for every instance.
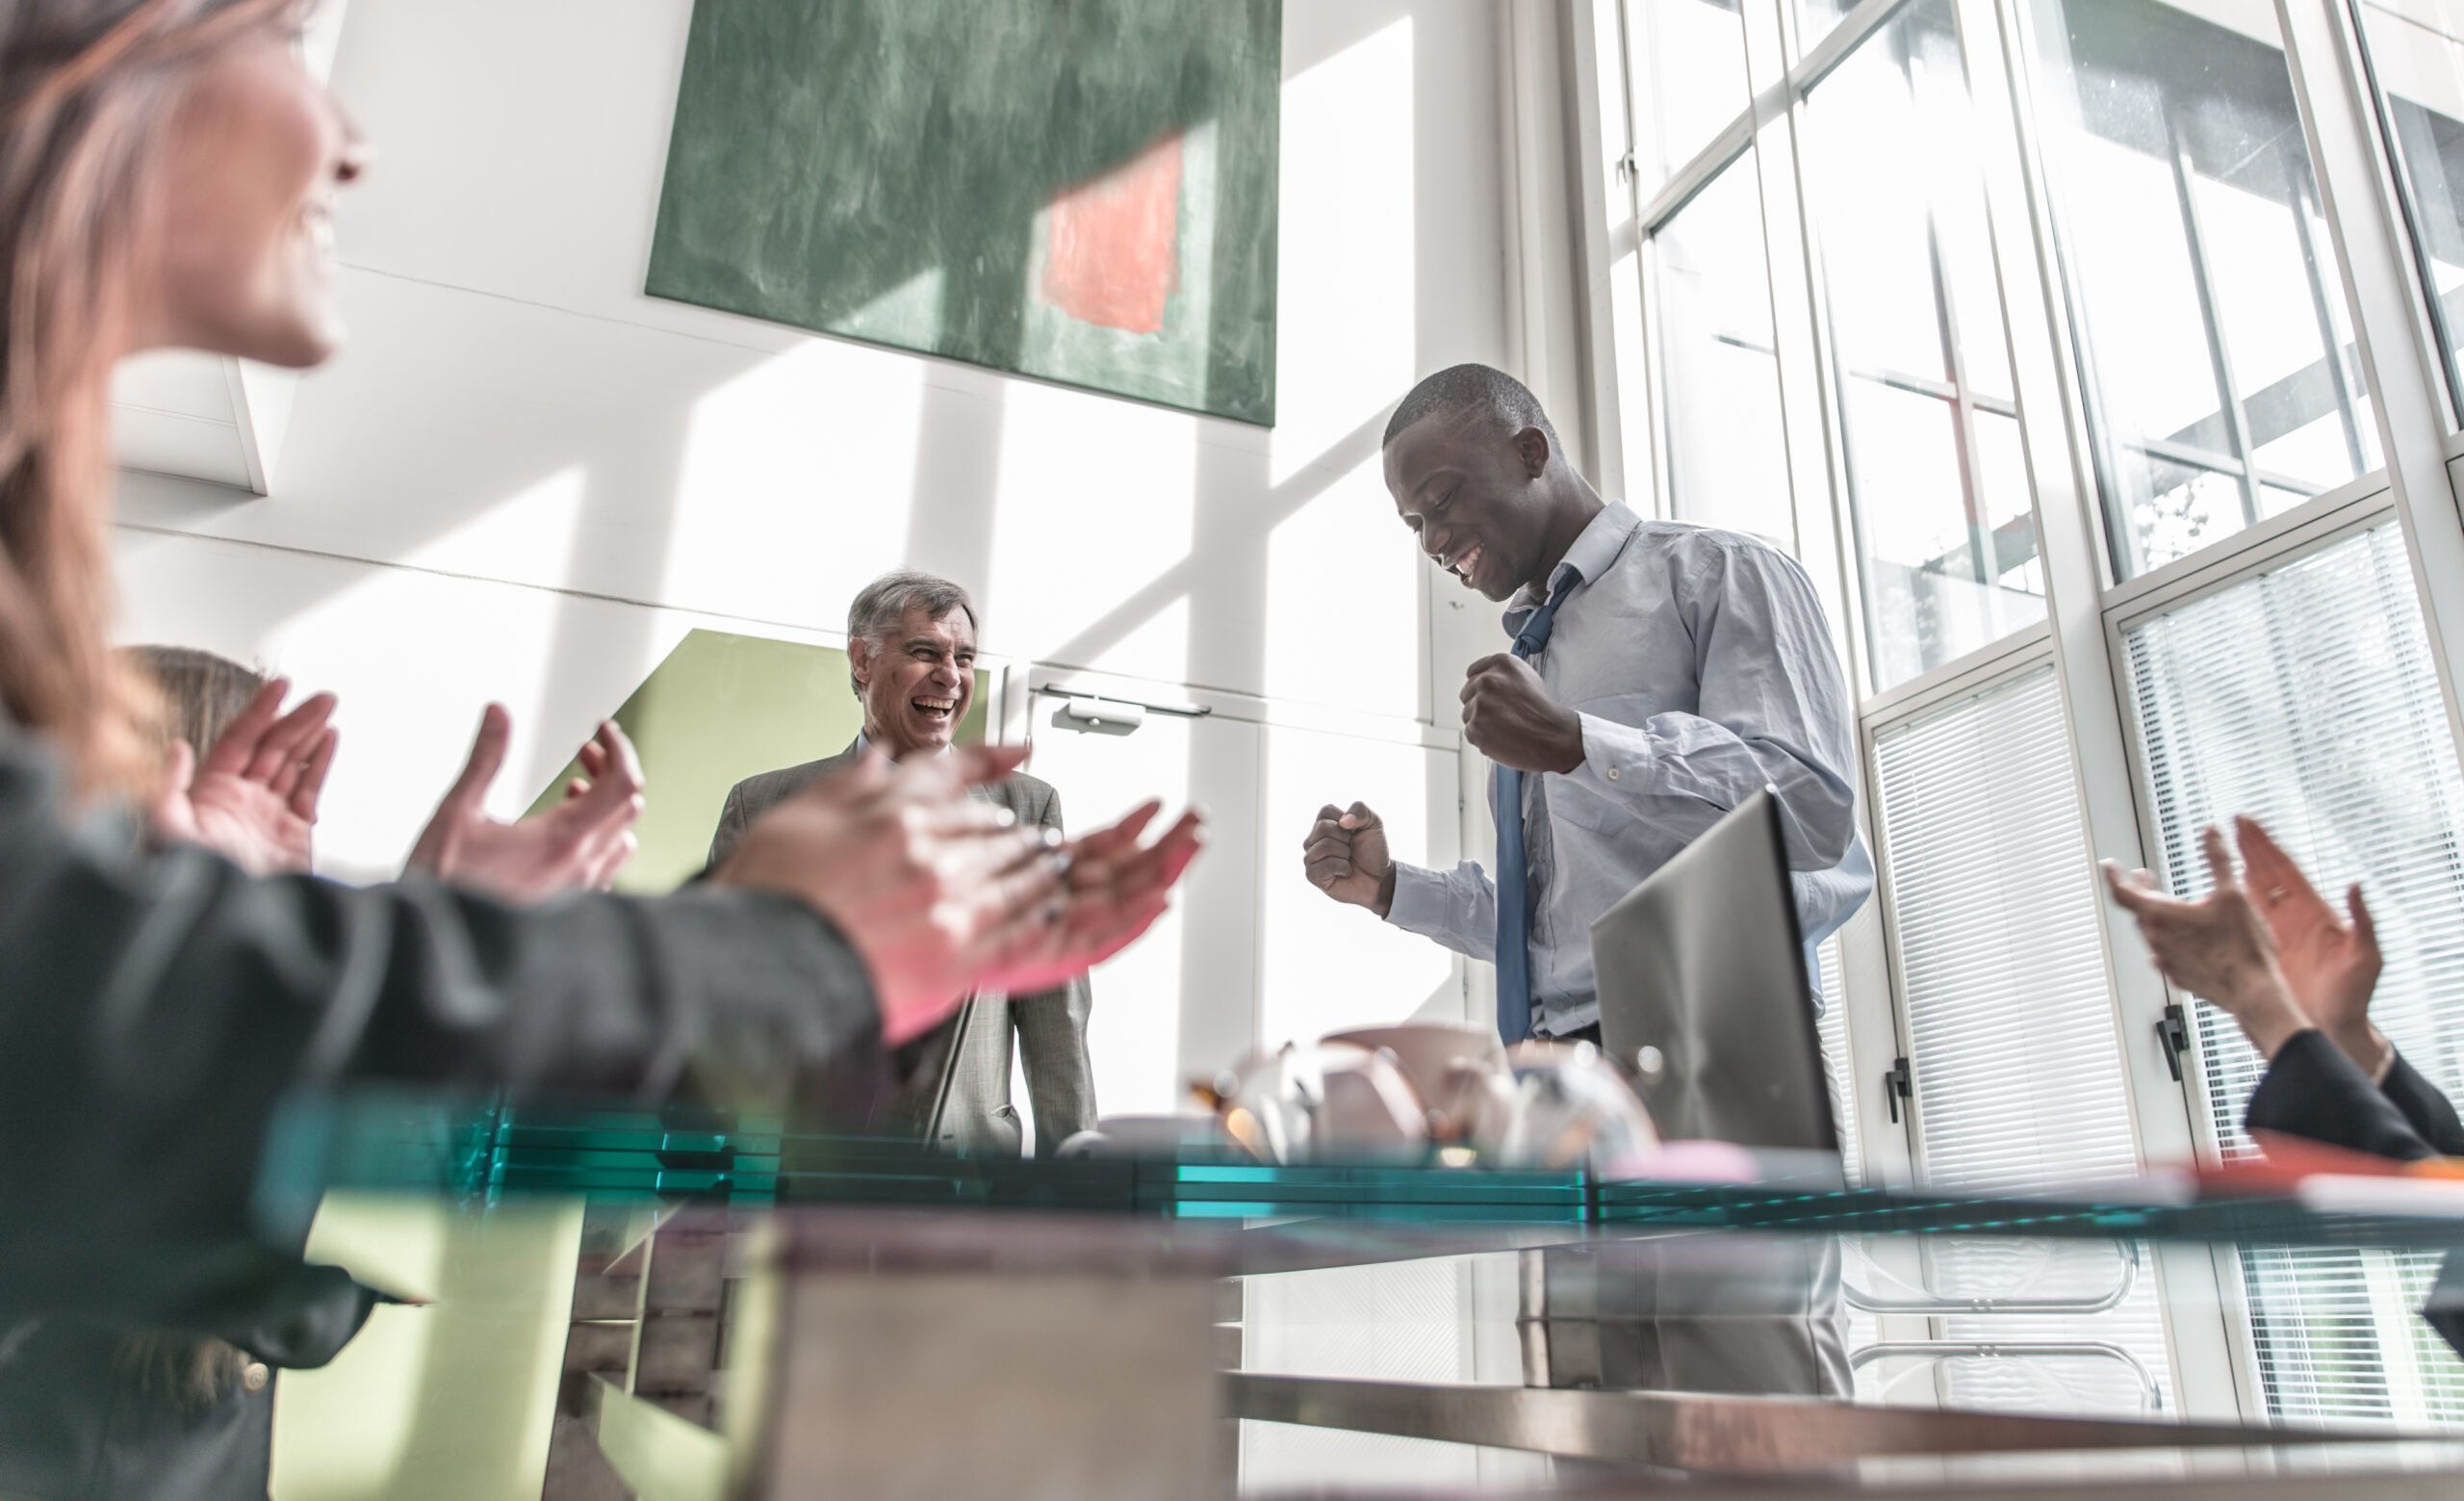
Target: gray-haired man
(911, 649)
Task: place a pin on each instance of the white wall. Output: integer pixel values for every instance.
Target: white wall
(525, 479)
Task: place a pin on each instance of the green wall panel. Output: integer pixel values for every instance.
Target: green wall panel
(719, 709)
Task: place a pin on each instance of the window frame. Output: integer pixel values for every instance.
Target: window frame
(2403, 368)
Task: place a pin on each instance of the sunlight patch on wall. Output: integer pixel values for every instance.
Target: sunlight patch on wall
(1097, 499)
(1343, 601)
(535, 524)
(776, 464)
(1323, 966)
(1348, 290)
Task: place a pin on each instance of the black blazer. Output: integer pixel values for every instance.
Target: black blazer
(81, 1421)
(155, 1008)
(2313, 1091)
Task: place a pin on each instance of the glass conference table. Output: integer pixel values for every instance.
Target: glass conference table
(745, 1311)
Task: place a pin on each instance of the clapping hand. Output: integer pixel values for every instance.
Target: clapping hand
(578, 844)
(942, 893)
(2218, 947)
(1114, 891)
(253, 799)
(2331, 965)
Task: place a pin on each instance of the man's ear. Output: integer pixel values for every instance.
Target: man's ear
(860, 661)
(1531, 446)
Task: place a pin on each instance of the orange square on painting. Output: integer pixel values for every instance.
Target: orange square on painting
(1112, 255)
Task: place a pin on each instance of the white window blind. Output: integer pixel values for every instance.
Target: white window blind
(1837, 1062)
(1839, 1066)
(2017, 1068)
(2304, 696)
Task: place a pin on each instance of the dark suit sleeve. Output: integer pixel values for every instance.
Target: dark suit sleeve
(153, 1009)
(2426, 1107)
(1052, 1044)
(731, 825)
(2313, 1091)
(2432, 1115)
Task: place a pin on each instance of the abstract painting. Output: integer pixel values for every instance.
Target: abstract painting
(1081, 190)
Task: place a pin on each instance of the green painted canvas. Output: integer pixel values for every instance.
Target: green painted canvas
(1082, 190)
(721, 707)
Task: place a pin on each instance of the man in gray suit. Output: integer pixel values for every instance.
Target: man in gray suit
(911, 647)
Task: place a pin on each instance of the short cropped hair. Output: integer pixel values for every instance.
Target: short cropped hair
(1460, 388)
(202, 694)
(884, 601)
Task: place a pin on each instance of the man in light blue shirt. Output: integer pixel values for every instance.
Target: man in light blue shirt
(1660, 674)
(1677, 670)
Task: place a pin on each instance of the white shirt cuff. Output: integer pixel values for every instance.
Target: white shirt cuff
(1420, 904)
(1609, 755)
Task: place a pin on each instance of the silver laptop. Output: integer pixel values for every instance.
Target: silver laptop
(1705, 963)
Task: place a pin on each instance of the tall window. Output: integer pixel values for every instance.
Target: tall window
(1693, 51)
(1914, 213)
(2217, 351)
(1720, 410)
(2019, 1074)
(1937, 483)
(2416, 51)
(2305, 698)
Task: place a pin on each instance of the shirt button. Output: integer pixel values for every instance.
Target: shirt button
(1612, 773)
(255, 1376)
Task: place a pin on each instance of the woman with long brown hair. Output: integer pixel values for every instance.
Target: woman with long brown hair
(168, 171)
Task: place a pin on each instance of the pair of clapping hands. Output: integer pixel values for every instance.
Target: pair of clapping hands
(253, 799)
(2264, 946)
(941, 893)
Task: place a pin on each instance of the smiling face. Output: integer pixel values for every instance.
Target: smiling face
(917, 682)
(257, 151)
(1470, 490)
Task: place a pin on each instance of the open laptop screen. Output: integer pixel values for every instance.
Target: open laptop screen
(1703, 962)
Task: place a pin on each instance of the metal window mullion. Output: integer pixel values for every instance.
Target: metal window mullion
(1817, 495)
(1788, 261)
(2302, 195)
(1850, 618)
(2063, 468)
(1983, 554)
(1612, 306)
(1843, 38)
(2237, 421)
(2187, 455)
(1650, 404)
(2438, 330)
(1771, 83)
(2323, 51)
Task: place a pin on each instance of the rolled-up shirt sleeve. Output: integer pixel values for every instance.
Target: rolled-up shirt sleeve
(1458, 907)
(1772, 712)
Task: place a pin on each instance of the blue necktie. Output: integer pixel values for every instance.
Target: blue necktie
(1514, 862)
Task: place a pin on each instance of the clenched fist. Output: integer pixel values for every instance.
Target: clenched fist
(1510, 718)
(1346, 857)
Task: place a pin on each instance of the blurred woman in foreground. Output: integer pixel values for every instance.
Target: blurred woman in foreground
(168, 171)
